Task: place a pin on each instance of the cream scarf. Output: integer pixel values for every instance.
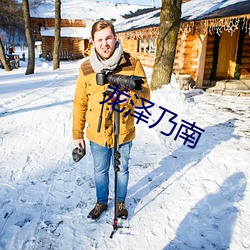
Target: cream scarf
(98, 64)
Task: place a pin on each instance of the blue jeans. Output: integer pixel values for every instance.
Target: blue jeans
(102, 158)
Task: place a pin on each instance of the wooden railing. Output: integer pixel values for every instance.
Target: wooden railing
(64, 55)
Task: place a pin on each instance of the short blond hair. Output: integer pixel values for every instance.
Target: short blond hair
(100, 25)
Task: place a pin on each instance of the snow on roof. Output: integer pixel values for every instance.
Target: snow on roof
(79, 32)
(145, 20)
(198, 9)
(192, 10)
(85, 10)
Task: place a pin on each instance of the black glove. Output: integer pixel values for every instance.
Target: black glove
(78, 153)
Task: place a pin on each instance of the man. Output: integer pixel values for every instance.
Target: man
(107, 54)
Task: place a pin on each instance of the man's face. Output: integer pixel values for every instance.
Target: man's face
(104, 42)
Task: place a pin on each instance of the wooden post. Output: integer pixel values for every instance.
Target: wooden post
(201, 60)
(140, 42)
(144, 45)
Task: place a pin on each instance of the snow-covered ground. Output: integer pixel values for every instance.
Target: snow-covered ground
(178, 197)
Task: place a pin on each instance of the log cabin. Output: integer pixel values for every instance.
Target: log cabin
(74, 37)
(77, 19)
(213, 41)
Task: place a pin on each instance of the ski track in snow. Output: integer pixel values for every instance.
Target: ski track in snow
(178, 198)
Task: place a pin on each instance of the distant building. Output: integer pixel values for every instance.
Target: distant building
(77, 19)
(74, 36)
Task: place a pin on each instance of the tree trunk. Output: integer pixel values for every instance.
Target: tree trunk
(168, 34)
(3, 57)
(56, 59)
(28, 33)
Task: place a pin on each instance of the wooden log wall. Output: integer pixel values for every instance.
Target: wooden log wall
(131, 46)
(186, 55)
(146, 59)
(66, 44)
(47, 45)
(50, 22)
(190, 56)
(178, 61)
(185, 59)
(73, 45)
(79, 46)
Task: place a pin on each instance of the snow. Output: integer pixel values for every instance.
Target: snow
(196, 9)
(84, 33)
(86, 10)
(178, 197)
(145, 20)
(155, 3)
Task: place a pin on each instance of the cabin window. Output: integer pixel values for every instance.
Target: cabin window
(146, 45)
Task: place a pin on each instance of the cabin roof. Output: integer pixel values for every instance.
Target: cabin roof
(193, 10)
(140, 21)
(208, 9)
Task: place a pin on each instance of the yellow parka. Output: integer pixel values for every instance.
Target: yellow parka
(87, 107)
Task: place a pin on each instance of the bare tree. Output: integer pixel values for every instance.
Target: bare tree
(3, 57)
(11, 24)
(168, 34)
(36, 3)
(56, 59)
(28, 33)
(11, 16)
